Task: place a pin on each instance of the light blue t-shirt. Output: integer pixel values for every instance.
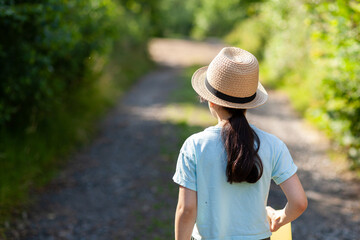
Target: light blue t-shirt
(230, 211)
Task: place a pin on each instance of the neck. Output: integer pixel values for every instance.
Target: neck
(221, 123)
(223, 117)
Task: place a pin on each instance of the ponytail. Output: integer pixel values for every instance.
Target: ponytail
(242, 145)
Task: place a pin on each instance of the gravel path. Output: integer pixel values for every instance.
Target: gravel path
(119, 187)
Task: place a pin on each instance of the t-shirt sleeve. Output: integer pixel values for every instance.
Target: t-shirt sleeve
(283, 166)
(185, 174)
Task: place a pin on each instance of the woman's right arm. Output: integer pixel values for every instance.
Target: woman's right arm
(296, 205)
(186, 211)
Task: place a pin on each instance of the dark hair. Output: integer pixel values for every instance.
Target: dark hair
(242, 145)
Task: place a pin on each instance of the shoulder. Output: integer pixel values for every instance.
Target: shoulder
(268, 138)
(200, 138)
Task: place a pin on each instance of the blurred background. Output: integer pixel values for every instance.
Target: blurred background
(64, 64)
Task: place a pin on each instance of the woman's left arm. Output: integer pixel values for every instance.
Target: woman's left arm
(185, 213)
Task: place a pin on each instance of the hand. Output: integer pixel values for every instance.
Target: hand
(275, 218)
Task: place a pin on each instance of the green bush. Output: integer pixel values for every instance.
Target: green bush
(217, 18)
(336, 35)
(45, 51)
(311, 50)
(180, 17)
(62, 64)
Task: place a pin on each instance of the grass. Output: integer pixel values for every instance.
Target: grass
(29, 159)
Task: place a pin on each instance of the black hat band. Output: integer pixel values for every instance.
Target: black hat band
(226, 97)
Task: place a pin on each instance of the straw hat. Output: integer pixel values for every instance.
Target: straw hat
(231, 80)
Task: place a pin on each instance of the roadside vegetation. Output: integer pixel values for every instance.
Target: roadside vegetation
(62, 65)
(310, 50)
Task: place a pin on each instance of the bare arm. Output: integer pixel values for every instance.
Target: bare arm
(296, 205)
(185, 213)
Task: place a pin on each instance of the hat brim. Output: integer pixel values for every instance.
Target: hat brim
(198, 83)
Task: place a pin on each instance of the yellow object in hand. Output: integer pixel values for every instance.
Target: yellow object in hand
(284, 233)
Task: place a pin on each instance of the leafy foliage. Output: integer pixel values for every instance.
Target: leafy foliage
(216, 18)
(336, 33)
(44, 52)
(311, 49)
(62, 64)
(197, 19)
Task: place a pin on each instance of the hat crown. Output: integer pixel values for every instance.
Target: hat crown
(234, 72)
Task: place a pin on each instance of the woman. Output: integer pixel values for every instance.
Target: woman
(224, 172)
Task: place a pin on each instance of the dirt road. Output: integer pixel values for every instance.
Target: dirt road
(119, 187)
